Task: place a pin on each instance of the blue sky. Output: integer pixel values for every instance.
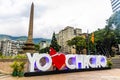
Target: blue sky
(52, 15)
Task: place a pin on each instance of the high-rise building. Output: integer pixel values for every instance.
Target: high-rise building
(115, 5)
(67, 34)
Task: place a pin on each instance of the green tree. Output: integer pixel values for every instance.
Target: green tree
(105, 39)
(44, 50)
(114, 23)
(109, 40)
(99, 37)
(78, 42)
(37, 47)
(54, 43)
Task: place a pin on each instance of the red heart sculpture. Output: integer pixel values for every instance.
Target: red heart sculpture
(58, 60)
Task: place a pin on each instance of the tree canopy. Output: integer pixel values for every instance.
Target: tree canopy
(79, 43)
(105, 39)
(114, 23)
(108, 37)
(54, 44)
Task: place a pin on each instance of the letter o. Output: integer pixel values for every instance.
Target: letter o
(48, 62)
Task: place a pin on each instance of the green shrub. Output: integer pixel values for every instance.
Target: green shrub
(0, 54)
(5, 57)
(19, 56)
(109, 63)
(18, 68)
(13, 57)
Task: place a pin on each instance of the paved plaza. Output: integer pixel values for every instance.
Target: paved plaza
(113, 74)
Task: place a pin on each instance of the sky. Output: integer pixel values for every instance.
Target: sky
(52, 16)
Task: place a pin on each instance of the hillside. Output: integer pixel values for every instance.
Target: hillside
(23, 38)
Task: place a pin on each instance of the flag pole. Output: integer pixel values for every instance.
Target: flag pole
(88, 50)
(95, 48)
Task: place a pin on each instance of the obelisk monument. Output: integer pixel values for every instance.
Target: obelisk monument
(29, 45)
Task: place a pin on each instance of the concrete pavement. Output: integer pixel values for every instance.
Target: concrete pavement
(112, 74)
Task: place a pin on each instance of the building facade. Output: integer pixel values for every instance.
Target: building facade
(10, 47)
(67, 34)
(115, 5)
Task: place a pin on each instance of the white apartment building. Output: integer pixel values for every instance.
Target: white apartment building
(67, 34)
(10, 47)
(6, 47)
(44, 44)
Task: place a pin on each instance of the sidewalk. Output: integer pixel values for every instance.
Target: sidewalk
(113, 74)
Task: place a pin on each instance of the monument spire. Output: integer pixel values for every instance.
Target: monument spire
(30, 32)
(29, 45)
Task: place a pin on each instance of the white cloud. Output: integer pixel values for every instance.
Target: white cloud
(52, 15)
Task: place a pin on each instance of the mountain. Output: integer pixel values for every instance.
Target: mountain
(23, 38)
